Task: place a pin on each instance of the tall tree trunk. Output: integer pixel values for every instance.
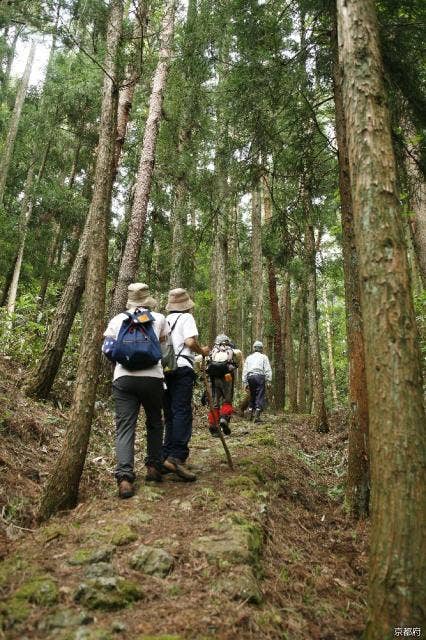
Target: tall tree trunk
(26, 212)
(61, 491)
(279, 365)
(302, 360)
(220, 258)
(178, 228)
(279, 368)
(321, 423)
(417, 220)
(329, 336)
(397, 579)
(9, 58)
(57, 231)
(257, 265)
(127, 90)
(130, 261)
(288, 347)
(358, 478)
(9, 144)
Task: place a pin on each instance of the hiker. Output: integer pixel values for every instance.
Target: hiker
(221, 365)
(133, 387)
(256, 372)
(180, 383)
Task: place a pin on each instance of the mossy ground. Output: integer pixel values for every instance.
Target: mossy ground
(306, 559)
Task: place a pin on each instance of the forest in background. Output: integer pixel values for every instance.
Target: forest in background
(212, 145)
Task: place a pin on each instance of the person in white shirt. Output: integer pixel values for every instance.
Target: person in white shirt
(180, 384)
(256, 373)
(131, 389)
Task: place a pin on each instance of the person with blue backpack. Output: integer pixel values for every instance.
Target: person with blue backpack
(133, 342)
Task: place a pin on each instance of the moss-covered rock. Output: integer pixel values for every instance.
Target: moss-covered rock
(108, 594)
(235, 541)
(240, 482)
(40, 590)
(239, 584)
(123, 534)
(99, 569)
(92, 555)
(12, 612)
(65, 618)
(52, 531)
(151, 560)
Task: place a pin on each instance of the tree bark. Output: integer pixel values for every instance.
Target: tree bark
(302, 360)
(61, 491)
(130, 261)
(329, 336)
(288, 347)
(321, 423)
(358, 477)
(257, 265)
(9, 144)
(417, 199)
(26, 212)
(397, 579)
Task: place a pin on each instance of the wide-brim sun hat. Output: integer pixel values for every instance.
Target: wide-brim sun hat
(179, 300)
(138, 295)
(257, 344)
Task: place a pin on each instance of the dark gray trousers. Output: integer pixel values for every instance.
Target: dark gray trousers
(130, 392)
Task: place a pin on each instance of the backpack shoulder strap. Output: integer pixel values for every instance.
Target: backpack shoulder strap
(174, 324)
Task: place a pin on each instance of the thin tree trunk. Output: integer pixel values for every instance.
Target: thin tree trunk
(57, 231)
(397, 579)
(178, 235)
(127, 91)
(321, 423)
(257, 265)
(417, 219)
(9, 59)
(331, 369)
(288, 347)
(279, 368)
(9, 144)
(61, 491)
(279, 365)
(358, 478)
(302, 355)
(130, 261)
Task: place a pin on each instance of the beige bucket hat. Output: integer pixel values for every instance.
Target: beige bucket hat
(138, 296)
(179, 300)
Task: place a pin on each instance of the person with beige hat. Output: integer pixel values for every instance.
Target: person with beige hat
(131, 389)
(180, 383)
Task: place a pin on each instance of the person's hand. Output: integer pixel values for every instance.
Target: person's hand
(205, 351)
(247, 388)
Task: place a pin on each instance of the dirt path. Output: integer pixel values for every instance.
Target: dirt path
(261, 552)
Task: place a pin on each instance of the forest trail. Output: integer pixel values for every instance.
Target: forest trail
(264, 551)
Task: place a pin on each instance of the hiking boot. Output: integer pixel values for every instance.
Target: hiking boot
(176, 466)
(250, 414)
(225, 426)
(152, 474)
(214, 430)
(125, 489)
(257, 416)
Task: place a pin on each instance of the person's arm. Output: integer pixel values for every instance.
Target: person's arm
(245, 373)
(193, 344)
(267, 369)
(164, 331)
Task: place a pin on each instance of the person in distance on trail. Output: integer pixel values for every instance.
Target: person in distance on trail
(133, 387)
(180, 384)
(256, 373)
(222, 361)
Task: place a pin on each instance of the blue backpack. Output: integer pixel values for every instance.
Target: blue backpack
(137, 346)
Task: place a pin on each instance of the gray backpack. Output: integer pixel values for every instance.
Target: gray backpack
(169, 359)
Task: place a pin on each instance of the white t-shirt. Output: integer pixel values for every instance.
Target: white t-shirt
(161, 329)
(185, 328)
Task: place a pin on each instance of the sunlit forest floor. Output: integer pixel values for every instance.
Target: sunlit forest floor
(265, 551)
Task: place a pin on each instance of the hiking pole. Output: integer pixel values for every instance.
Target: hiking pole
(210, 399)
